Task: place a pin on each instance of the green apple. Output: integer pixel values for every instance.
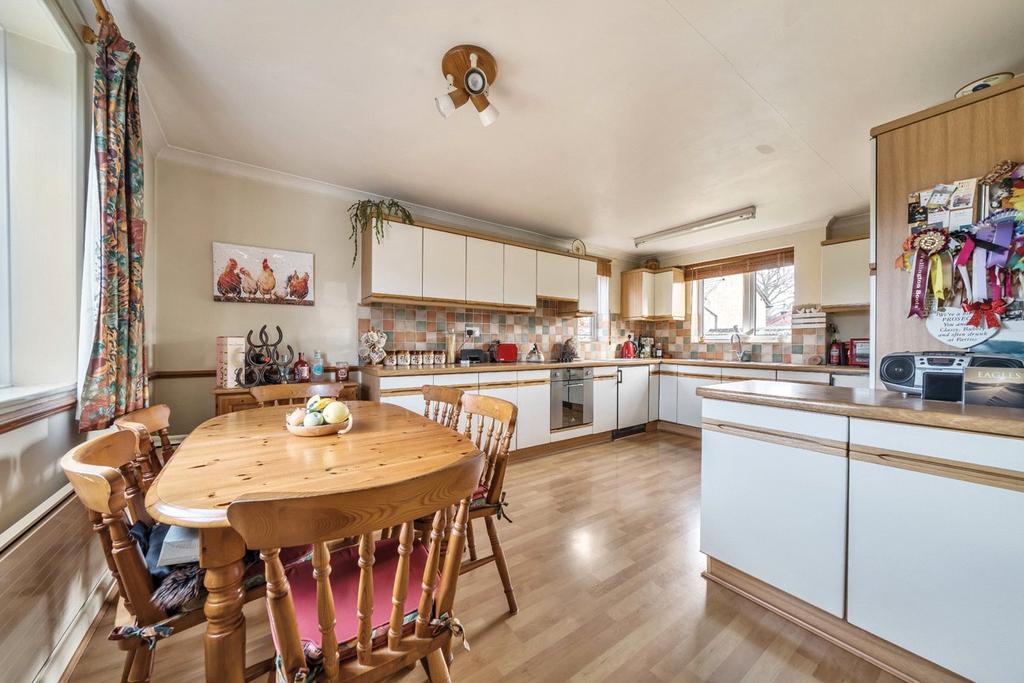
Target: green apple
(313, 420)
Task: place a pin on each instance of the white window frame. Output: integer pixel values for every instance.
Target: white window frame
(6, 362)
(749, 323)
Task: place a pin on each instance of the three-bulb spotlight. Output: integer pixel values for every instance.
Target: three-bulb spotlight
(470, 71)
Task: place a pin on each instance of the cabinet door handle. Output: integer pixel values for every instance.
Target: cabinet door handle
(620, 376)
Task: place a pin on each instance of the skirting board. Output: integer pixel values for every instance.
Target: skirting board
(558, 446)
(72, 642)
(890, 658)
(673, 428)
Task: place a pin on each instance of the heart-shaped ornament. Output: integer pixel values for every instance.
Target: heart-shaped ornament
(949, 326)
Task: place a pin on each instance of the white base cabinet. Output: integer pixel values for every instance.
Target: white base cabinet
(936, 562)
(775, 511)
(667, 392)
(534, 420)
(634, 395)
(605, 400)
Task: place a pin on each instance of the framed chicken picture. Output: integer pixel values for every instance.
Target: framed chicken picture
(262, 275)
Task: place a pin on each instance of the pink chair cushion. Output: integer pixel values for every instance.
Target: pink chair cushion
(481, 492)
(345, 586)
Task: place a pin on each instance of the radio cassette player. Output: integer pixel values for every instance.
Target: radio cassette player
(936, 375)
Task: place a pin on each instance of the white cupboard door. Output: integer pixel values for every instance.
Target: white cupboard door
(633, 396)
(485, 270)
(663, 284)
(558, 277)
(653, 392)
(605, 403)
(534, 419)
(509, 394)
(845, 279)
(935, 565)
(520, 276)
(851, 381)
(688, 403)
(776, 512)
(397, 262)
(588, 286)
(667, 396)
(444, 265)
(413, 402)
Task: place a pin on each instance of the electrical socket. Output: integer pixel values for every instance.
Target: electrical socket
(472, 332)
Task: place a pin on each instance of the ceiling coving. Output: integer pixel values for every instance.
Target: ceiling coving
(470, 70)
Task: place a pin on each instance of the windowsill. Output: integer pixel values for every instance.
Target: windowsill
(22, 405)
(745, 339)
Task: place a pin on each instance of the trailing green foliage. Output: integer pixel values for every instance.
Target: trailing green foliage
(367, 212)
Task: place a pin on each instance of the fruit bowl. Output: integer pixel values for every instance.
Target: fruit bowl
(322, 430)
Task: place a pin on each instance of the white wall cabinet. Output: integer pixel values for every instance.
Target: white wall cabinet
(633, 398)
(485, 271)
(587, 286)
(605, 399)
(444, 265)
(669, 294)
(397, 266)
(558, 277)
(534, 420)
(520, 276)
(774, 511)
(845, 280)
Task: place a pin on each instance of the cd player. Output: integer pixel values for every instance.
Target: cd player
(936, 374)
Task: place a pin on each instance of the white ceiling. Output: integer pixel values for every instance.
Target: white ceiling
(617, 118)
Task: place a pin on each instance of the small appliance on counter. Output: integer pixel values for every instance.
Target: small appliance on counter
(504, 352)
(936, 375)
(646, 347)
(629, 347)
(534, 356)
(858, 352)
(472, 356)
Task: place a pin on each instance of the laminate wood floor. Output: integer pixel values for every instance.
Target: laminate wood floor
(604, 557)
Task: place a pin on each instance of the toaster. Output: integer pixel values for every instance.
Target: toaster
(506, 353)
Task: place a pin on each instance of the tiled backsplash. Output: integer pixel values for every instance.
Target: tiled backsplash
(423, 327)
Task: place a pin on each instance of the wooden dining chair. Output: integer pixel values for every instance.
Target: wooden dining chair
(293, 394)
(150, 424)
(104, 474)
(322, 611)
(490, 423)
(442, 405)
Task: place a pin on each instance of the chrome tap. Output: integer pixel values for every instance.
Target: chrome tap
(737, 344)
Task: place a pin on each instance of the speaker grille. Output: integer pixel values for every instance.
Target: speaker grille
(897, 370)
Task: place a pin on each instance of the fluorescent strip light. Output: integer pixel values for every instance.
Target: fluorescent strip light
(713, 222)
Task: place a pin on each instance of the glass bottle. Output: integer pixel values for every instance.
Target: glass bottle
(301, 369)
(318, 367)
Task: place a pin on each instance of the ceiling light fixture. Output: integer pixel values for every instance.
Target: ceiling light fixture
(713, 222)
(470, 70)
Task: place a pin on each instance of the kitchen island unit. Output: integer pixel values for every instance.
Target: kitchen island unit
(891, 526)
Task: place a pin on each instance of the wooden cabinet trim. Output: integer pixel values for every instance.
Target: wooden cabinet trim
(940, 467)
(949, 106)
(825, 446)
(841, 240)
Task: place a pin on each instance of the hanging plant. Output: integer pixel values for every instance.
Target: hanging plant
(367, 212)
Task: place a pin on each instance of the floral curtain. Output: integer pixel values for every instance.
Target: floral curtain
(115, 379)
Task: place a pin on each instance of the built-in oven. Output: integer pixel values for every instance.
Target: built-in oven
(572, 398)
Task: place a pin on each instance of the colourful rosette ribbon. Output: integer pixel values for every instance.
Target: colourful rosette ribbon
(927, 244)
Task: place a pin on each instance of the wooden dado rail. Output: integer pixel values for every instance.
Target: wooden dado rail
(38, 410)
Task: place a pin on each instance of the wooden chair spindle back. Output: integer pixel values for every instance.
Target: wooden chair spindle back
(294, 394)
(442, 405)
(270, 522)
(490, 423)
(145, 423)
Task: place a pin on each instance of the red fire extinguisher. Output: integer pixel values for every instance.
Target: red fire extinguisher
(835, 352)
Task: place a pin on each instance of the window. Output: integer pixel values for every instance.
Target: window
(752, 295)
(596, 327)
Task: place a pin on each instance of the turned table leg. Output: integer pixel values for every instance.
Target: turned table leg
(221, 554)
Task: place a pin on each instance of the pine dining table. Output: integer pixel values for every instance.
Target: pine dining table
(251, 452)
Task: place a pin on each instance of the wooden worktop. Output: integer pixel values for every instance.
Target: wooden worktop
(381, 371)
(888, 406)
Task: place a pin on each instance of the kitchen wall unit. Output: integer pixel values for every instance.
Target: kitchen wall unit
(485, 271)
(962, 138)
(444, 265)
(845, 274)
(434, 264)
(558, 277)
(653, 294)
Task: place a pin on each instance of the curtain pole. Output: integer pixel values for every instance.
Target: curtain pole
(102, 16)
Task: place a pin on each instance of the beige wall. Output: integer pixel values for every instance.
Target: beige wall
(806, 258)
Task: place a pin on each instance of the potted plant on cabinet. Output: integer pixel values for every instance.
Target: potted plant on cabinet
(369, 212)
